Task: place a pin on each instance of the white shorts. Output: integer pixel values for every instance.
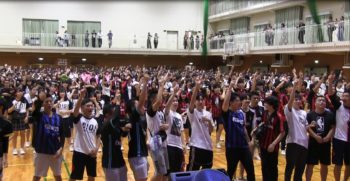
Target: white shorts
(139, 166)
(160, 161)
(116, 174)
(42, 162)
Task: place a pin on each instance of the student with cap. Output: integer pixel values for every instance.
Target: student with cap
(48, 138)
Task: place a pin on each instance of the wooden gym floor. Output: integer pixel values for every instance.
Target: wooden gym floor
(20, 168)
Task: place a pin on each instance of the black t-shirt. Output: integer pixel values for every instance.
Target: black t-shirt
(137, 135)
(112, 156)
(5, 129)
(249, 117)
(324, 123)
(259, 111)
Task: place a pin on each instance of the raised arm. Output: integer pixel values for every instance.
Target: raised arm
(225, 104)
(292, 95)
(142, 98)
(78, 104)
(194, 94)
(170, 100)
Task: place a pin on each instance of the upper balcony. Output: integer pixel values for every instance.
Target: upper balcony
(287, 41)
(222, 9)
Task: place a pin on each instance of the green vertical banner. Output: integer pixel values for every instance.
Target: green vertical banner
(205, 28)
(313, 10)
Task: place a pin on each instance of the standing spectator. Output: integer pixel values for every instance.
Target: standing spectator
(57, 39)
(185, 41)
(321, 131)
(112, 130)
(301, 33)
(157, 127)
(191, 42)
(87, 38)
(341, 29)
(5, 130)
(66, 38)
(149, 45)
(201, 151)
(19, 115)
(48, 138)
(176, 143)
(269, 134)
(341, 140)
(87, 138)
(330, 28)
(99, 39)
(110, 37)
(197, 42)
(284, 35)
(237, 138)
(155, 40)
(297, 139)
(93, 38)
(73, 40)
(138, 151)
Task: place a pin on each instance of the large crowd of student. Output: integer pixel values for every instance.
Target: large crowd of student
(165, 111)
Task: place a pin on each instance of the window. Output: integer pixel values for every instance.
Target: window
(77, 29)
(312, 30)
(240, 25)
(39, 32)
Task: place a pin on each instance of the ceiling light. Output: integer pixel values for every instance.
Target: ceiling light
(261, 61)
(83, 59)
(40, 58)
(316, 61)
(191, 63)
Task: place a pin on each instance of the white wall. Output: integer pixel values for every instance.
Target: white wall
(124, 18)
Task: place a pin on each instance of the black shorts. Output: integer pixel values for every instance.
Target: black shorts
(341, 152)
(18, 124)
(80, 161)
(199, 158)
(219, 120)
(176, 159)
(66, 122)
(187, 124)
(319, 153)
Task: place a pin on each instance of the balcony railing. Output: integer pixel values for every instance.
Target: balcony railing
(126, 42)
(289, 37)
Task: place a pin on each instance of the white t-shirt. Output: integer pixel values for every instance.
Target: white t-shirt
(175, 128)
(20, 106)
(342, 117)
(65, 106)
(200, 137)
(297, 123)
(106, 91)
(86, 134)
(153, 124)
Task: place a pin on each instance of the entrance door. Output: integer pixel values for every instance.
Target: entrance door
(172, 38)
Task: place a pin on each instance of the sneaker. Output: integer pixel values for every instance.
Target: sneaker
(283, 152)
(222, 139)
(187, 147)
(100, 149)
(71, 141)
(122, 148)
(15, 152)
(21, 151)
(71, 148)
(257, 157)
(27, 144)
(218, 146)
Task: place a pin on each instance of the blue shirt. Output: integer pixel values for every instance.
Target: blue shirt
(234, 125)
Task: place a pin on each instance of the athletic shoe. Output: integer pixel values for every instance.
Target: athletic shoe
(71, 148)
(222, 139)
(21, 151)
(218, 145)
(100, 149)
(283, 152)
(122, 148)
(257, 157)
(15, 152)
(187, 147)
(27, 144)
